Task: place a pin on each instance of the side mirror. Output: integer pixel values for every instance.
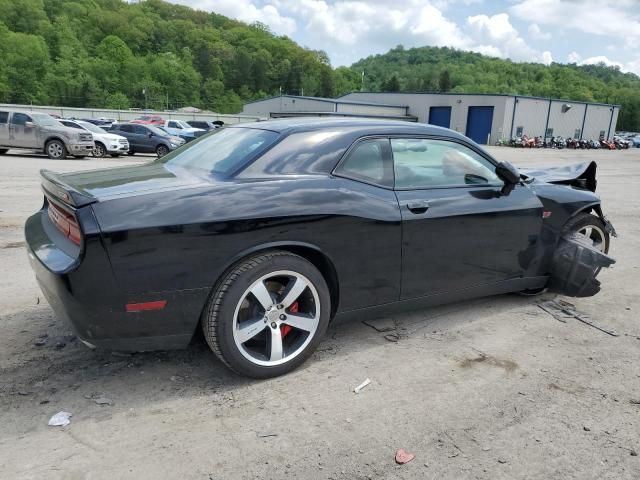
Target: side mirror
(150, 134)
(509, 175)
(29, 124)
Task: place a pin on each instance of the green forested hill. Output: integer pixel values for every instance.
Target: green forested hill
(111, 53)
(444, 69)
(108, 52)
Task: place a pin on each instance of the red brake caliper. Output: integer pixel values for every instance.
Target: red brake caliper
(284, 329)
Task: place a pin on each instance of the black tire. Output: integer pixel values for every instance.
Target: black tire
(99, 150)
(3, 151)
(79, 157)
(218, 316)
(162, 150)
(131, 152)
(56, 150)
(584, 220)
(115, 155)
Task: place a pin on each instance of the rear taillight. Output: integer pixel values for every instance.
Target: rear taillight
(66, 222)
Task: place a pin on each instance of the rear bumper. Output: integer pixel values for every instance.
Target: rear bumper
(83, 292)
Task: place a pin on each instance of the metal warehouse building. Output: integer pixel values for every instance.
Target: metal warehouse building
(484, 118)
(296, 106)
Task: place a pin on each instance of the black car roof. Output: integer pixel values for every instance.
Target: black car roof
(368, 125)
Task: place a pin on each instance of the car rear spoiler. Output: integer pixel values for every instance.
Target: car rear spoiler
(54, 185)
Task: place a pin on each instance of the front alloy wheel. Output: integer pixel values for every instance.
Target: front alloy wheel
(162, 150)
(99, 150)
(268, 314)
(56, 150)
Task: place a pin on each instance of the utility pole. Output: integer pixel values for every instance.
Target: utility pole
(362, 84)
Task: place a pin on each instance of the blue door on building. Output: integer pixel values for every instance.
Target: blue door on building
(479, 120)
(440, 116)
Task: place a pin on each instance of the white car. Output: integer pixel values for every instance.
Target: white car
(182, 129)
(105, 143)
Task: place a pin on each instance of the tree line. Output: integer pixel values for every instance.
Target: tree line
(157, 55)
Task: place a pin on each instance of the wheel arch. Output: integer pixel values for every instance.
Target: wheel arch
(54, 137)
(309, 252)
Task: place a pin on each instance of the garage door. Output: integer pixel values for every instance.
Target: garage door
(479, 120)
(440, 116)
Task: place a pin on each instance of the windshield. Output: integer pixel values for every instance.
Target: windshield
(183, 124)
(91, 127)
(223, 151)
(45, 120)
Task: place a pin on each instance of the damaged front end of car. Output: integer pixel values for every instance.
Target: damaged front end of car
(576, 264)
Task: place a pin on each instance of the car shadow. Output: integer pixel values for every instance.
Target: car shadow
(46, 365)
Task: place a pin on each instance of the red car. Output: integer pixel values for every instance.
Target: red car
(149, 120)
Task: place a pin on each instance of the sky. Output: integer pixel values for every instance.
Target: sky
(564, 31)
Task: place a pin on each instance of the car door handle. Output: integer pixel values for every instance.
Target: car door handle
(418, 206)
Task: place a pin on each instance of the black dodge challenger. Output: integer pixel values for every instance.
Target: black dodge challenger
(262, 233)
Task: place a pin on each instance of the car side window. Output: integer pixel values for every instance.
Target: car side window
(124, 128)
(370, 162)
(4, 117)
(72, 125)
(20, 119)
(174, 125)
(140, 130)
(424, 163)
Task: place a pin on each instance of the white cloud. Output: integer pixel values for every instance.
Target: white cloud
(247, 11)
(537, 34)
(601, 59)
(496, 34)
(615, 18)
(574, 57)
(547, 58)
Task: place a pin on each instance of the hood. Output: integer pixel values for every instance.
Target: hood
(581, 175)
(127, 181)
(110, 136)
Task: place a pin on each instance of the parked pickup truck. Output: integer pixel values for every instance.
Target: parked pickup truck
(42, 132)
(182, 129)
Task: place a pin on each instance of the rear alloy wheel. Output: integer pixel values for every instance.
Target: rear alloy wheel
(267, 315)
(56, 150)
(162, 150)
(99, 150)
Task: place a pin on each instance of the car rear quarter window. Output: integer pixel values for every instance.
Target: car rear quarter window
(368, 161)
(222, 152)
(4, 117)
(421, 163)
(301, 153)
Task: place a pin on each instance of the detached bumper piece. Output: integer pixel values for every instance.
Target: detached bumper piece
(575, 267)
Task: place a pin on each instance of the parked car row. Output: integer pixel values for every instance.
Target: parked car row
(61, 137)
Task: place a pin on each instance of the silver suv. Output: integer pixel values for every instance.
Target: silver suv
(39, 131)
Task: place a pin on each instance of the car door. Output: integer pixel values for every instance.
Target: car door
(4, 128)
(23, 133)
(144, 143)
(459, 231)
(374, 227)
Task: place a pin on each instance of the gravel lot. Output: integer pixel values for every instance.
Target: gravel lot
(489, 389)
